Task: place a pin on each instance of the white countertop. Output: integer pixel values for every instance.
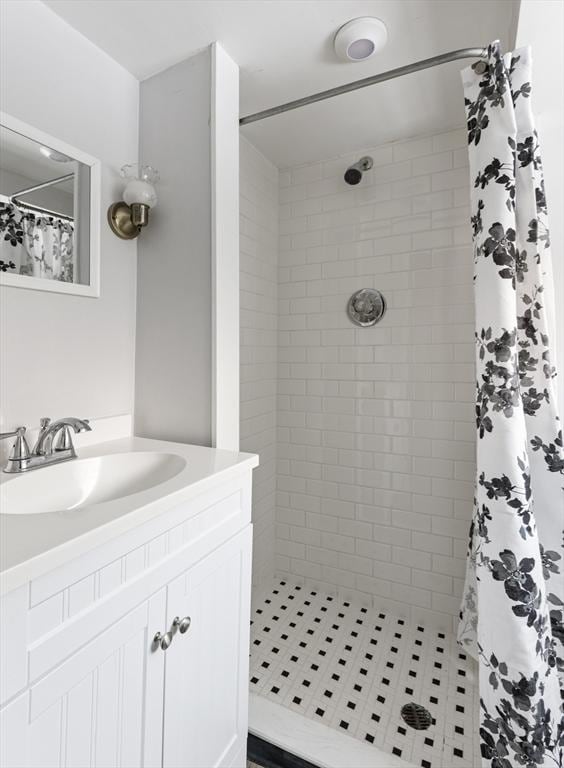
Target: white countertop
(33, 544)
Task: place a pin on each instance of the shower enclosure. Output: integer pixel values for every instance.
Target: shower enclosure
(365, 488)
(359, 391)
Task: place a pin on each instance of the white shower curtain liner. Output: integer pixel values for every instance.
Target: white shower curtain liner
(512, 610)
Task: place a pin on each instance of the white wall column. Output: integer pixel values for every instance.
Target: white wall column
(187, 361)
(225, 249)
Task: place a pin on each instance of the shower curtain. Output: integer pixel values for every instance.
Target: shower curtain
(37, 246)
(513, 604)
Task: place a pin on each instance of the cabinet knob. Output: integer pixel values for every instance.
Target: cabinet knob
(163, 640)
(183, 625)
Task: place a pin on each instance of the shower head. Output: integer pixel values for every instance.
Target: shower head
(353, 174)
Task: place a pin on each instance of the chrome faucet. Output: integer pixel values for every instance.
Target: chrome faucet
(53, 445)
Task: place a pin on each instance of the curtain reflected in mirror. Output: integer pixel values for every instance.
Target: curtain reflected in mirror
(35, 245)
(44, 211)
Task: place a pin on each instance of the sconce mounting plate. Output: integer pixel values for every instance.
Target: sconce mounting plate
(120, 221)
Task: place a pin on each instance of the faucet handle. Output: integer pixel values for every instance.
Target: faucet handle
(64, 440)
(20, 448)
(17, 432)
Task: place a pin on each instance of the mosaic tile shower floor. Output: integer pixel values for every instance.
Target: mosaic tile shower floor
(353, 668)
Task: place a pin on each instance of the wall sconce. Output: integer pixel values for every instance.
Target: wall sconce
(127, 217)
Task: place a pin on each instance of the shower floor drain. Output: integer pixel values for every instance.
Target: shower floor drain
(416, 716)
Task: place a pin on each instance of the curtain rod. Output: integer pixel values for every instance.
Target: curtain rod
(443, 58)
(36, 208)
(37, 187)
(29, 208)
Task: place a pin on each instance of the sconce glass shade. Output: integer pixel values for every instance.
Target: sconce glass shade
(140, 185)
(128, 216)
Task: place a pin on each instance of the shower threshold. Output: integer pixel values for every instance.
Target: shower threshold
(264, 754)
(308, 744)
(329, 678)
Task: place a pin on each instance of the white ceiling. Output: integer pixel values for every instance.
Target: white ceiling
(284, 51)
(20, 155)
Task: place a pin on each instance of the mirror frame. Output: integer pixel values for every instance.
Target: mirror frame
(55, 286)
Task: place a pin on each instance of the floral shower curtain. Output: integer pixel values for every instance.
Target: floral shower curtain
(37, 246)
(513, 606)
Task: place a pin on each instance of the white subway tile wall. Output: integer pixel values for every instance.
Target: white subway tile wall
(375, 440)
(258, 295)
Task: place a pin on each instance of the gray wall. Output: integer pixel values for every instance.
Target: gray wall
(173, 342)
(60, 354)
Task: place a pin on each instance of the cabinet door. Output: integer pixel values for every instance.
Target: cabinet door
(206, 668)
(101, 708)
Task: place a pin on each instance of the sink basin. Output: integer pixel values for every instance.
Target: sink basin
(83, 482)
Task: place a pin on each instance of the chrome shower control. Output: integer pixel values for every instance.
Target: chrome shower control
(366, 307)
(163, 641)
(183, 625)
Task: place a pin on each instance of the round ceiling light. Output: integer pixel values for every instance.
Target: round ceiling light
(359, 39)
(52, 154)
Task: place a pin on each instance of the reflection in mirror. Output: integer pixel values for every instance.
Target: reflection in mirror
(44, 211)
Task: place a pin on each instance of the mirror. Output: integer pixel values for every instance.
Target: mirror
(49, 212)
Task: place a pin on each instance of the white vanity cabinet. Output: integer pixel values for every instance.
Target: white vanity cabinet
(90, 710)
(86, 685)
(206, 679)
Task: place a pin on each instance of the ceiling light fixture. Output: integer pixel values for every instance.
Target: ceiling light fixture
(52, 154)
(359, 39)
